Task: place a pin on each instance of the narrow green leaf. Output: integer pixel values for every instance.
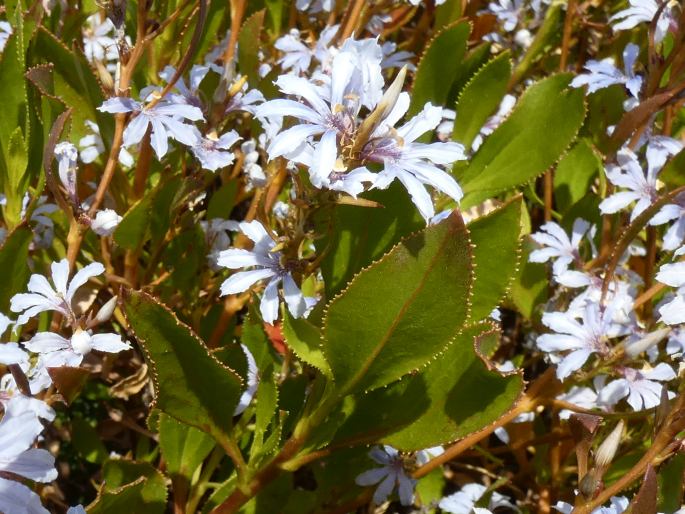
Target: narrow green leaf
(248, 47)
(186, 376)
(546, 38)
(87, 441)
(360, 235)
(134, 227)
(265, 412)
(438, 67)
(304, 338)
(14, 108)
(538, 131)
(127, 498)
(130, 486)
(496, 240)
(402, 310)
(74, 84)
(436, 405)
(183, 447)
(14, 265)
(575, 174)
(481, 97)
(671, 484)
(450, 381)
(530, 284)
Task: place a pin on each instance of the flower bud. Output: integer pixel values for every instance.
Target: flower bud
(81, 342)
(635, 348)
(607, 450)
(67, 155)
(105, 222)
(106, 310)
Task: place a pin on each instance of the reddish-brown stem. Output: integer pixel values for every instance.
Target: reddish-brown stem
(630, 233)
(237, 13)
(568, 30)
(548, 194)
(349, 22)
(664, 438)
(542, 387)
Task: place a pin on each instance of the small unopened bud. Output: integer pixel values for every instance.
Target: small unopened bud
(67, 156)
(81, 342)
(635, 348)
(106, 310)
(607, 450)
(588, 485)
(105, 222)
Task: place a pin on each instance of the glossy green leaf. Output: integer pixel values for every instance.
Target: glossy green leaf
(248, 47)
(266, 419)
(530, 284)
(127, 498)
(447, 12)
(535, 135)
(439, 66)
(130, 487)
(183, 447)
(545, 40)
(402, 310)
(14, 265)
(671, 480)
(134, 226)
(87, 441)
(185, 375)
(74, 84)
(304, 339)
(435, 405)
(14, 107)
(360, 235)
(496, 241)
(481, 97)
(575, 174)
(454, 411)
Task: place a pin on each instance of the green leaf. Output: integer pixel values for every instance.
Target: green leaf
(481, 97)
(133, 229)
(248, 47)
(402, 310)
(575, 174)
(671, 480)
(186, 376)
(538, 131)
(265, 416)
(128, 498)
(223, 200)
(183, 447)
(439, 66)
(435, 405)
(360, 235)
(14, 106)
(496, 241)
(130, 486)
(87, 441)
(304, 339)
(546, 38)
(74, 84)
(454, 411)
(529, 288)
(14, 264)
(448, 12)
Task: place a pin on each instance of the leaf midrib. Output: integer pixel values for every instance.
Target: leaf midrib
(453, 229)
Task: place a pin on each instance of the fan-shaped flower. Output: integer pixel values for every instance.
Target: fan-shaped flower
(44, 297)
(268, 264)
